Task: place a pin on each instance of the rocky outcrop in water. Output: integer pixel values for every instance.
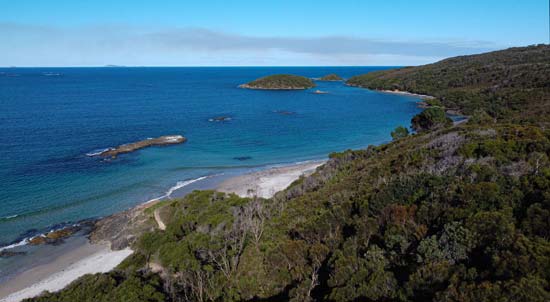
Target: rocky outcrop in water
(320, 92)
(220, 119)
(159, 141)
(55, 237)
(284, 112)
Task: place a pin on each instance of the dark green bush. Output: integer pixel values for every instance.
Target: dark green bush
(431, 119)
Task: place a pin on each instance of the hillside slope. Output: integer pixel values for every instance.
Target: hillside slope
(508, 84)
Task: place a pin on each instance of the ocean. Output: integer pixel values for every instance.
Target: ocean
(53, 119)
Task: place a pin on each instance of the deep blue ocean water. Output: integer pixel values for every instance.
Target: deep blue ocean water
(50, 118)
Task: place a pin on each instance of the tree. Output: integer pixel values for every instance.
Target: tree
(480, 117)
(399, 132)
(431, 119)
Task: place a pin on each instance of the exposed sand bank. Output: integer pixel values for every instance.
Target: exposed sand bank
(266, 183)
(53, 276)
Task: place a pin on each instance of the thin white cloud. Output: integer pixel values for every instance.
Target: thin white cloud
(24, 45)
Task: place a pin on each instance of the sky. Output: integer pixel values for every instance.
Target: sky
(261, 32)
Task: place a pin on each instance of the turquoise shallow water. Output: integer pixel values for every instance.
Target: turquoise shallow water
(51, 118)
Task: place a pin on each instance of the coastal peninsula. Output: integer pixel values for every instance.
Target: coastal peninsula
(159, 141)
(280, 82)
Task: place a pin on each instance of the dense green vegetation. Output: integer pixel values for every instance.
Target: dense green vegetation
(331, 77)
(433, 102)
(452, 213)
(280, 81)
(457, 215)
(512, 84)
(400, 132)
(113, 286)
(431, 119)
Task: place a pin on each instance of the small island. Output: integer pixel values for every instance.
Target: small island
(159, 141)
(280, 82)
(331, 77)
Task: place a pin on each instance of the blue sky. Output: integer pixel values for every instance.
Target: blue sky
(282, 32)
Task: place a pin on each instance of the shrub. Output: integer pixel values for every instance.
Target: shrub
(399, 132)
(431, 119)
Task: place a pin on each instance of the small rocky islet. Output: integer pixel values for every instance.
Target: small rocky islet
(320, 92)
(331, 78)
(280, 82)
(131, 147)
(220, 119)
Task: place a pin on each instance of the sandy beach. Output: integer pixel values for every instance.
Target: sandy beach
(266, 183)
(67, 267)
(87, 258)
(422, 96)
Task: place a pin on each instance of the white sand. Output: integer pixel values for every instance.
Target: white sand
(53, 276)
(422, 96)
(267, 182)
(94, 258)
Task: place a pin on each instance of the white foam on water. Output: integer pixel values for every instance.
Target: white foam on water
(98, 152)
(181, 184)
(14, 245)
(25, 241)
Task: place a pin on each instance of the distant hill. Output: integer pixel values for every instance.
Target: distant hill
(508, 84)
(280, 82)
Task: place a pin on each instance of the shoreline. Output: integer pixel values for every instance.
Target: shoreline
(406, 93)
(398, 92)
(265, 183)
(95, 257)
(245, 86)
(421, 104)
(86, 258)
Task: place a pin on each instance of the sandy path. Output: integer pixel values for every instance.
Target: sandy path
(161, 224)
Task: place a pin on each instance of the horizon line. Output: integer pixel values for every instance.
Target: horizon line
(202, 66)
